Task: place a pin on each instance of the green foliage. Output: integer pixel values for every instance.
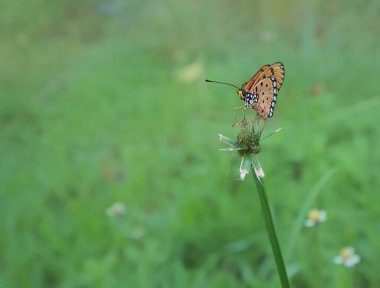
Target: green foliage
(104, 101)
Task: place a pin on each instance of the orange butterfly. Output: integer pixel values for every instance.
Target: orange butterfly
(260, 92)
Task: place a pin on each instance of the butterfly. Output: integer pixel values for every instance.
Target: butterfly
(260, 92)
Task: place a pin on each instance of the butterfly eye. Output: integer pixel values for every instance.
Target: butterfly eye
(241, 94)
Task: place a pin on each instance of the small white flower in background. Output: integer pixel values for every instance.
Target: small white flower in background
(138, 232)
(347, 257)
(315, 217)
(191, 72)
(117, 209)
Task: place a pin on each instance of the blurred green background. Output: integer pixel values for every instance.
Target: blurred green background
(105, 101)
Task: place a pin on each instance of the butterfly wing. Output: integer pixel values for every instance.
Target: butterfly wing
(264, 71)
(279, 73)
(264, 85)
(266, 97)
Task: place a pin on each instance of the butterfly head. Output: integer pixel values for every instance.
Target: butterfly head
(243, 94)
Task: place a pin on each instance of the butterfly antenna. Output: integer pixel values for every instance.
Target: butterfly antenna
(211, 81)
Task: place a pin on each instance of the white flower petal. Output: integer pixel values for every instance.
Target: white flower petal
(355, 259)
(338, 260)
(245, 165)
(257, 167)
(309, 223)
(322, 216)
(243, 173)
(259, 172)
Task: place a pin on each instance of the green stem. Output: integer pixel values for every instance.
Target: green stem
(272, 233)
(317, 257)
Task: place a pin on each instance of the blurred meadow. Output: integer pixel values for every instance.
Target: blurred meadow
(104, 102)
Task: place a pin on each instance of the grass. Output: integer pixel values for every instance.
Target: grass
(95, 109)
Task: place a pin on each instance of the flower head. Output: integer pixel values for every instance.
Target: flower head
(247, 145)
(117, 209)
(315, 217)
(347, 257)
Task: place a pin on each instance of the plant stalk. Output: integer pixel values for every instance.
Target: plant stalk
(272, 233)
